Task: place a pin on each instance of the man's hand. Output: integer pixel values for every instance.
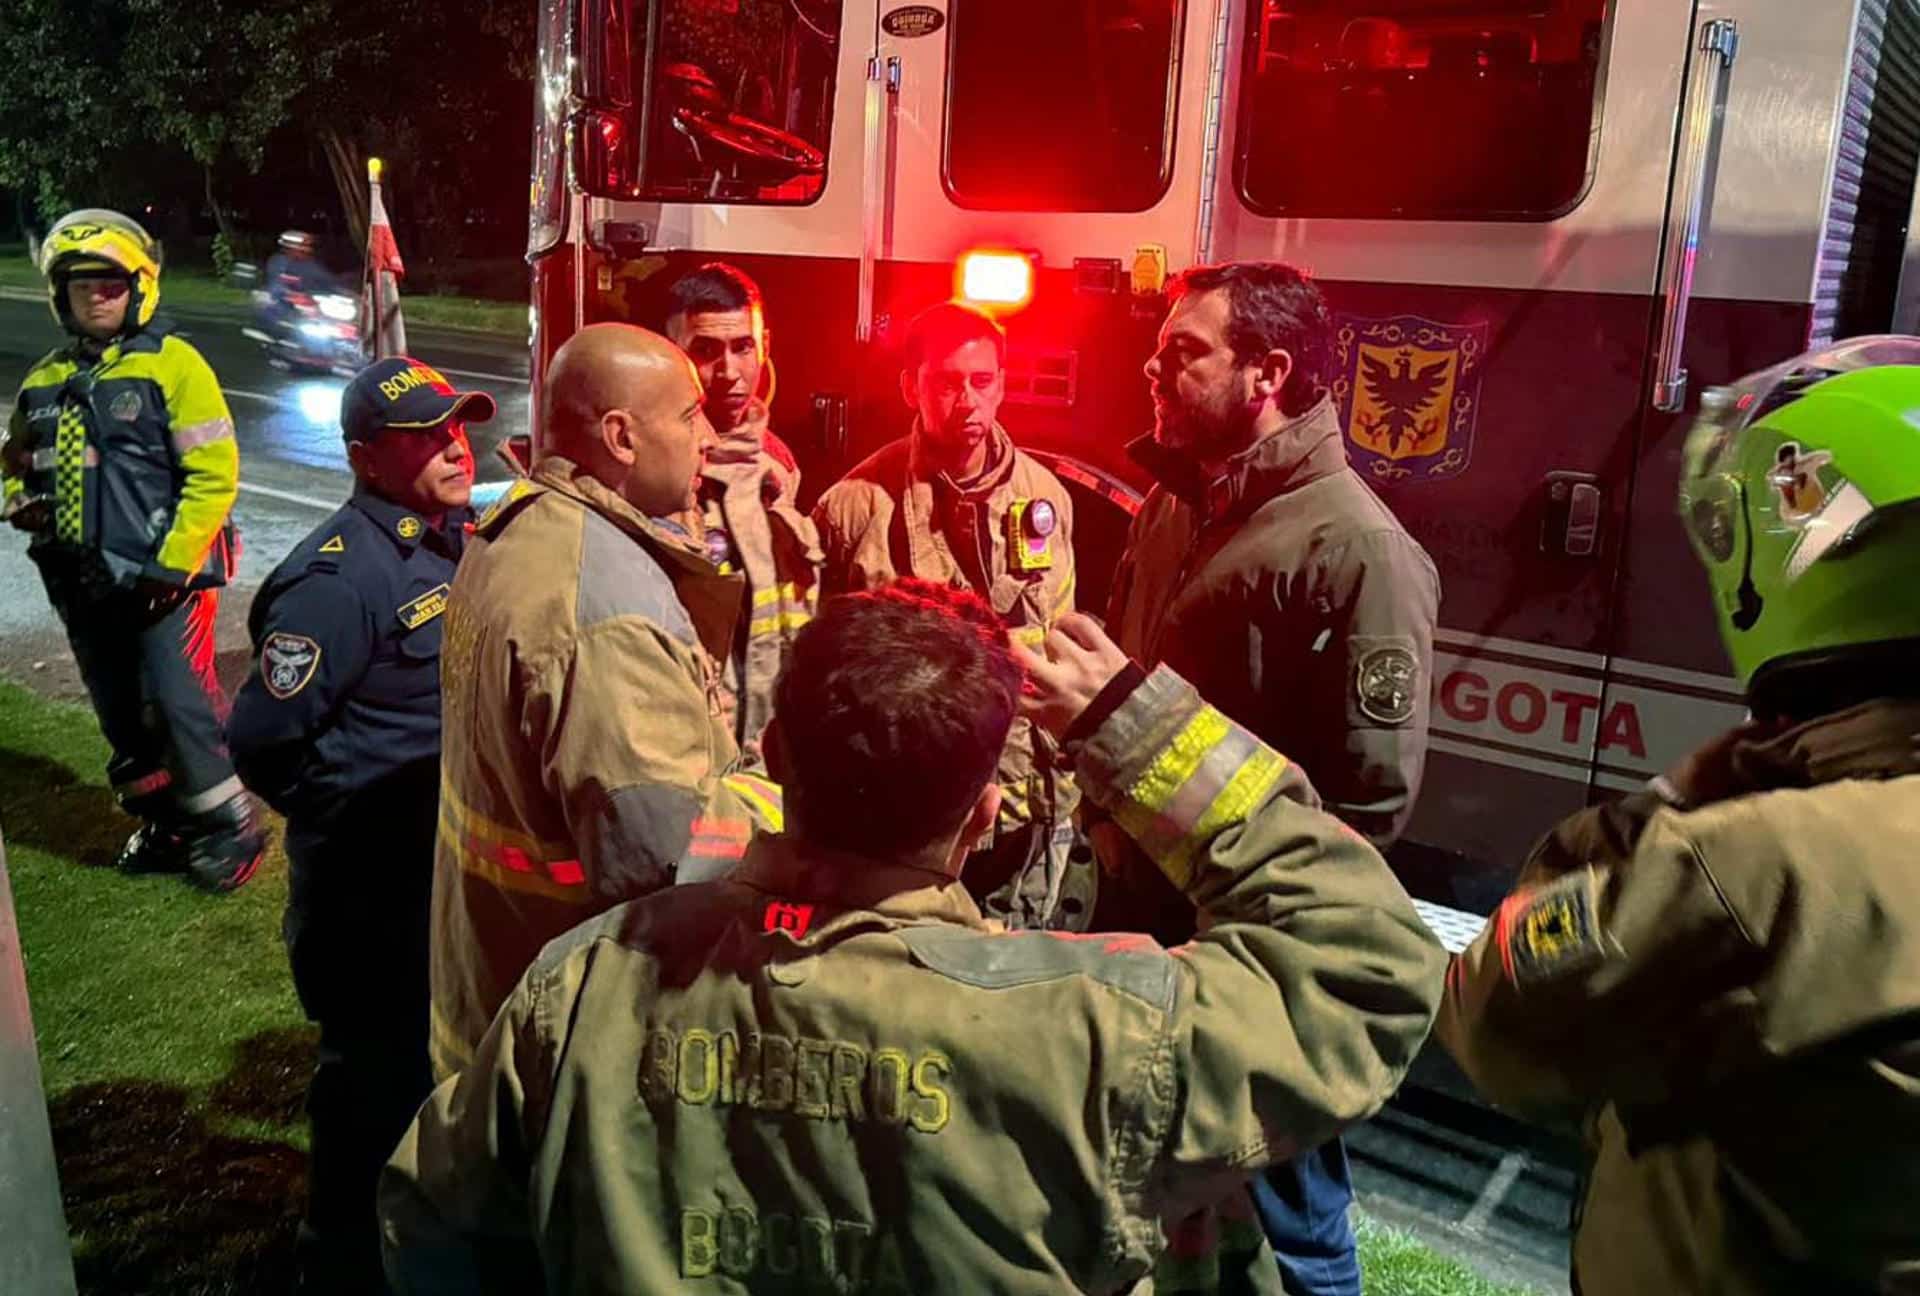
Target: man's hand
(29, 513)
(159, 597)
(1075, 662)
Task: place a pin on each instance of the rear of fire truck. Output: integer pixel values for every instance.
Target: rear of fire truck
(1544, 227)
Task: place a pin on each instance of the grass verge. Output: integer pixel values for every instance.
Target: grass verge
(175, 1056)
(196, 288)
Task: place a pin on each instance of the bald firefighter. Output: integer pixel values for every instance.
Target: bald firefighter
(830, 1072)
(748, 514)
(956, 502)
(585, 754)
(1720, 975)
(120, 462)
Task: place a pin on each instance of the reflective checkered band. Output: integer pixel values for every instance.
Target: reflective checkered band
(69, 473)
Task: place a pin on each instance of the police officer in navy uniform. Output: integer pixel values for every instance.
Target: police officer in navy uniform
(338, 728)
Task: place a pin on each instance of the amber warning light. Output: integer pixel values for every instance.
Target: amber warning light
(996, 279)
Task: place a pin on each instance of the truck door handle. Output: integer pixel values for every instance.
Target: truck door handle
(1704, 113)
(1571, 528)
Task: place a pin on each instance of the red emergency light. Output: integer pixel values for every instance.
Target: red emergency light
(995, 280)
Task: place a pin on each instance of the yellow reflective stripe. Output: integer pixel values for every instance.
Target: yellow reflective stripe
(1168, 772)
(1030, 636)
(763, 797)
(787, 590)
(449, 1053)
(459, 823)
(778, 621)
(1249, 784)
(1063, 604)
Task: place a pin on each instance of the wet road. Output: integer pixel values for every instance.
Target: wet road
(1468, 1182)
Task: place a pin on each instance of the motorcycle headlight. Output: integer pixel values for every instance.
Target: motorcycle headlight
(338, 307)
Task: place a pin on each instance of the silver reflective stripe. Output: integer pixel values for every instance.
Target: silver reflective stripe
(36, 1256)
(217, 795)
(195, 435)
(47, 458)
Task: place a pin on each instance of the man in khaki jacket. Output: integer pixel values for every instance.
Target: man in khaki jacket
(823, 1072)
(1720, 975)
(1264, 570)
(747, 513)
(957, 503)
(584, 757)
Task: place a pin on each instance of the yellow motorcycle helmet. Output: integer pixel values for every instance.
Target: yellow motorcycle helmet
(94, 238)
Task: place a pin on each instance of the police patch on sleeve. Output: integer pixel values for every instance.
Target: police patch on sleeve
(1387, 683)
(287, 663)
(1551, 931)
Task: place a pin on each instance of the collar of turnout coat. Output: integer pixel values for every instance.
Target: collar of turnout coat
(1875, 740)
(1301, 450)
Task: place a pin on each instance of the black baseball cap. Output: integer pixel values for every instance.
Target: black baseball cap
(400, 392)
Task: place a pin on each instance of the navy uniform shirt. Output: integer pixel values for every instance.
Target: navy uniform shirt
(344, 694)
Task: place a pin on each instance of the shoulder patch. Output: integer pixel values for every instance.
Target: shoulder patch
(335, 545)
(287, 663)
(1134, 965)
(425, 608)
(1386, 682)
(1551, 931)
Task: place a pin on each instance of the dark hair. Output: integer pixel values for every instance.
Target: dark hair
(892, 712)
(1271, 306)
(715, 286)
(941, 330)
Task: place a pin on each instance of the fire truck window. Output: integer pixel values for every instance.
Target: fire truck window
(1420, 109)
(740, 100)
(546, 213)
(1064, 105)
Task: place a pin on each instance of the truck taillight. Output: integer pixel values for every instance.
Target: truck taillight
(1002, 280)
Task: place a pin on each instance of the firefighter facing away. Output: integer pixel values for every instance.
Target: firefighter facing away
(120, 461)
(338, 728)
(1720, 975)
(748, 515)
(822, 1072)
(956, 502)
(1262, 568)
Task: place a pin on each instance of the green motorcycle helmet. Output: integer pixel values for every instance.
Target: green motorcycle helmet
(1800, 492)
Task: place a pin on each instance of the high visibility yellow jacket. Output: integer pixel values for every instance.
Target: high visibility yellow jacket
(133, 445)
(584, 757)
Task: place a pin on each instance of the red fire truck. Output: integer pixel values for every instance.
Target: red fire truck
(1543, 225)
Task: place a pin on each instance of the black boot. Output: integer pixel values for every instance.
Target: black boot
(224, 844)
(153, 848)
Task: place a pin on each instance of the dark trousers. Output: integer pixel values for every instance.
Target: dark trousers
(1302, 1205)
(153, 688)
(356, 932)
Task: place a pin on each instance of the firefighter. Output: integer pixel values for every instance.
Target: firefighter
(338, 728)
(748, 516)
(587, 755)
(830, 1072)
(120, 461)
(1262, 568)
(1720, 975)
(956, 502)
